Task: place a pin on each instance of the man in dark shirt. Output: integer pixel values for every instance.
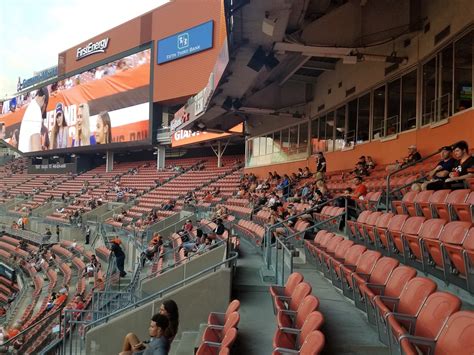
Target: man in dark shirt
(413, 155)
(119, 256)
(442, 168)
(220, 229)
(320, 163)
(463, 169)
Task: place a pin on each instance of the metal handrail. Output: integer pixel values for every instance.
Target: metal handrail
(268, 229)
(159, 294)
(403, 167)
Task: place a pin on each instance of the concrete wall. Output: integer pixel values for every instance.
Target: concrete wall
(183, 271)
(195, 301)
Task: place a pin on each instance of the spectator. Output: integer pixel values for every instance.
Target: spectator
(413, 155)
(360, 170)
(119, 256)
(360, 190)
(88, 234)
(220, 229)
(442, 169)
(463, 169)
(57, 232)
(320, 163)
(169, 309)
(157, 345)
(370, 163)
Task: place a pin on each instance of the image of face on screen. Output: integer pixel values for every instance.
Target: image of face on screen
(105, 105)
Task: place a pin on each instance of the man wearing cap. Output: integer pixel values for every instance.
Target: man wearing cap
(442, 169)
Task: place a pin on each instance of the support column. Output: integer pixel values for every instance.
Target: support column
(109, 163)
(160, 157)
(219, 154)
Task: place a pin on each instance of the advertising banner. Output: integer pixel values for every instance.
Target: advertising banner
(105, 105)
(185, 137)
(188, 42)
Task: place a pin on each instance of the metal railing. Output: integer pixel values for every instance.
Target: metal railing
(403, 167)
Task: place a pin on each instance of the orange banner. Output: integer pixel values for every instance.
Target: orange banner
(185, 137)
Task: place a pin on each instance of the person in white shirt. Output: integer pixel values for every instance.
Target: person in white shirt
(30, 129)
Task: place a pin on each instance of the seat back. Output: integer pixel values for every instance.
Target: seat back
(398, 279)
(313, 344)
(413, 225)
(326, 239)
(409, 196)
(382, 270)
(232, 322)
(384, 220)
(366, 262)
(309, 304)
(353, 254)
(229, 337)
(319, 236)
(456, 335)
(396, 222)
(333, 243)
(293, 280)
(468, 244)
(431, 228)
(423, 196)
(439, 196)
(342, 247)
(414, 294)
(233, 306)
(455, 232)
(363, 216)
(372, 219)
(313, 321)
(458, 196)
(434, 313)
(301, 291)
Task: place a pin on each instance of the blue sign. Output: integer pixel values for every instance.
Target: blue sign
(191, 41)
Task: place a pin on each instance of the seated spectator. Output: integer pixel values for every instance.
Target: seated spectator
(204, 246)
(300, 173)
(360, 190)
(413, 155)
(219, 230)
(158, 343)
(169, 309)
(463, 169)
(370, 163)
(306, 173)
(360, 170)
(442, 168)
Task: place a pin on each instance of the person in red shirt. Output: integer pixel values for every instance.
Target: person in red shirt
(360, 188)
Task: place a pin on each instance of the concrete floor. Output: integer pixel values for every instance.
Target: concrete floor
(347, 330)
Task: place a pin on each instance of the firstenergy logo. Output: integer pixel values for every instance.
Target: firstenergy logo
(92, 48)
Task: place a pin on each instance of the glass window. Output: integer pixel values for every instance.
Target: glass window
(393, 108)
(429, 90)
(315, 128)
(263, 145)
(276, 141)
(351, 122)
(446, 75)
(285, 140)
(463, 53)
(256, 147)
(330, 132)
(270, 143)
(293, 139)
(363, 118)
(409, 101)
(340, 132)
(379, 112)
(303, 139)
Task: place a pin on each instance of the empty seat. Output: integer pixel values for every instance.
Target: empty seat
(350, 259)
(456, 337)
(412, 226)
(443, 209)
(464, 210)
(364, 266)
(394, 227)
(313, 345)
(453, 233)
(216, 318)
(293, 338)
(461, 260)
(339, 252)
(352, 225)
(216, 334)
(210, 347)
(431, 228)
(367, 230)
(421, 204)
(412, 297)
(295, 319)
(300, 292)
(406, 205)
(381, 229)
(428, 322)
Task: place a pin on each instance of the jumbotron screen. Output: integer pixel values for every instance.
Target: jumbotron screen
(106, 105)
